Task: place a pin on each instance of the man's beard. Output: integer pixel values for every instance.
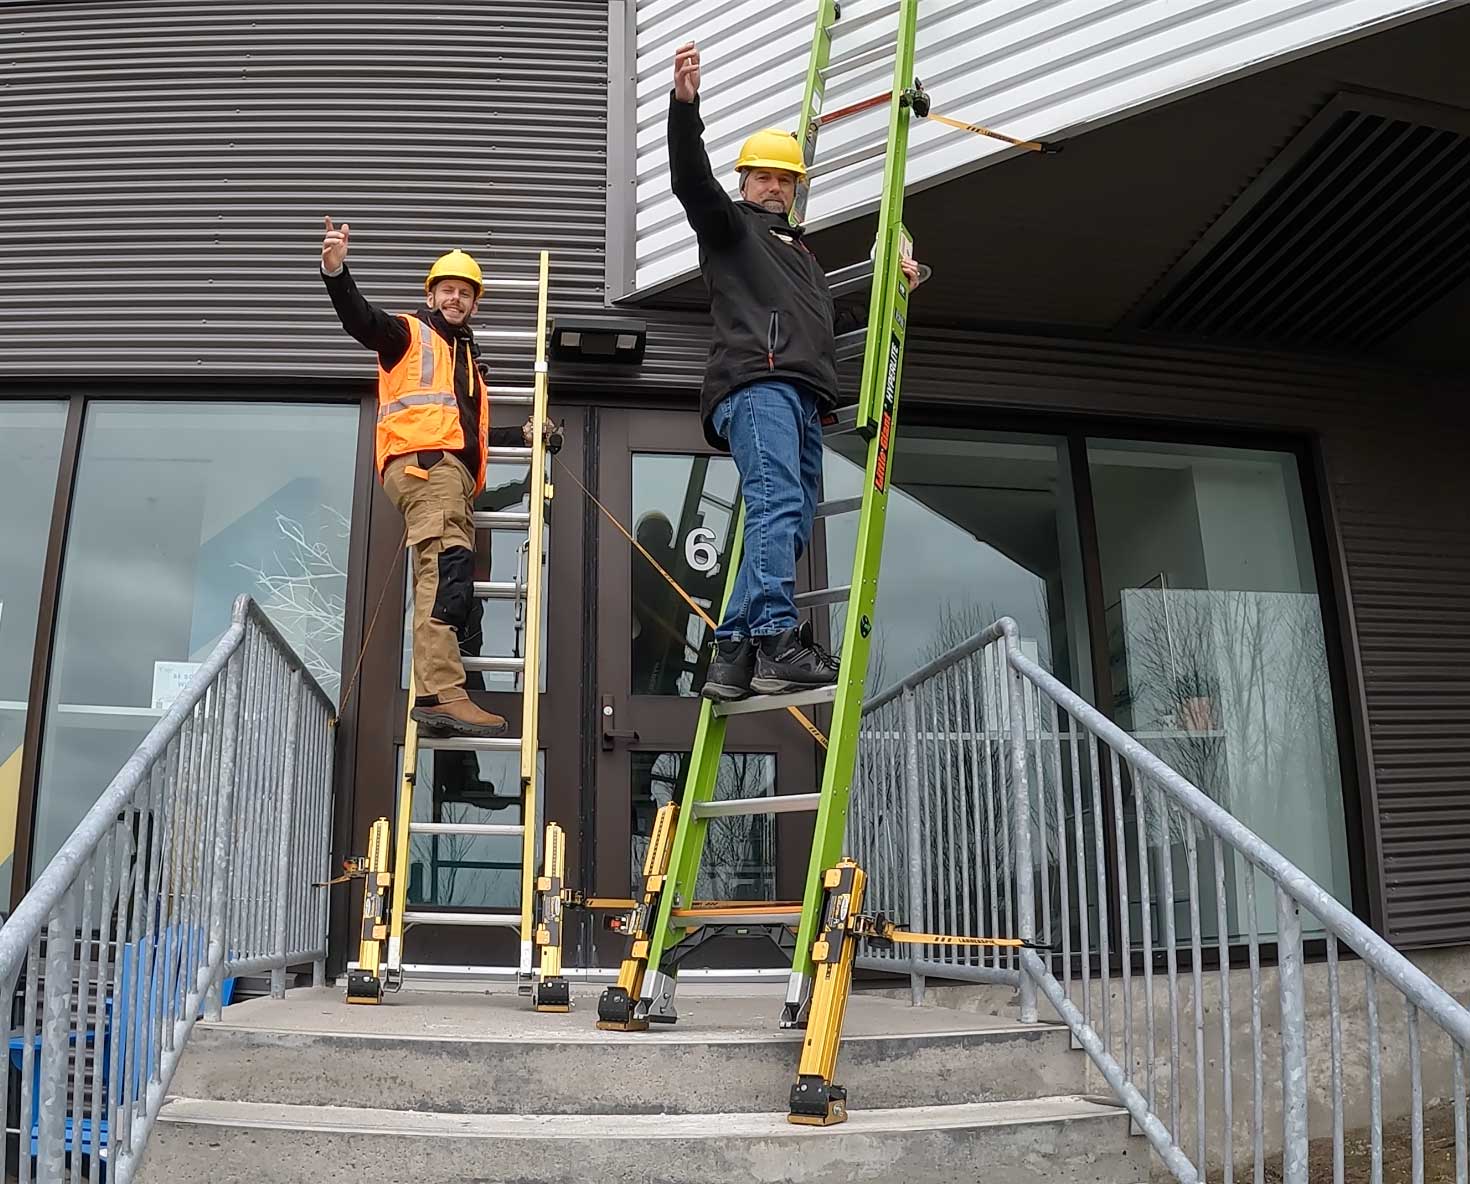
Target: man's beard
(775, 204)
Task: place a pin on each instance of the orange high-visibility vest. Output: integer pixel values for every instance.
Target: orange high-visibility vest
(417, 410)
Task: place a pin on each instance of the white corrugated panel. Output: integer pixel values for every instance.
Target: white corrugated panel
(1032, 68)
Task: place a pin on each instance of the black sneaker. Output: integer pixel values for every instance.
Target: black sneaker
(792, 661)
(729, 671)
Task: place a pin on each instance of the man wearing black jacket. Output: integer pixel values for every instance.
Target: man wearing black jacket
(771, 374)
(432, 437)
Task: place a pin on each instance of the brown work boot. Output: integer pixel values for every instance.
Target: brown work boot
(458, 717)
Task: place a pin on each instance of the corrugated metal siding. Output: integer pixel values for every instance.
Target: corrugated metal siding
(1394, 449)
(178, 160)
(1036, 68)
(173, 162)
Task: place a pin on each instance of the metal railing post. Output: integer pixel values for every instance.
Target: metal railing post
(1025, 898)
(50, 1105)
(281, 917)
(913, 837)
(223, 829)
(1293, 1040)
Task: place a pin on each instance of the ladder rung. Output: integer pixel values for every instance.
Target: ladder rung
(824, 596)
(507, 334)
(512, 396)
(502, 519)
(696, 917)
(758, 703)
(843, 421)
(838, 505)
(516, 285)
(469, 743)
(507, 454)
(498, 590)
(856, 61)
(477, 829)
(847, 280)
(847, 160)
(786, 803)
(503, 664)
(485, 920)
(850, 347)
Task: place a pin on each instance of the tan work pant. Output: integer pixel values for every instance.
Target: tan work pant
(436, 505)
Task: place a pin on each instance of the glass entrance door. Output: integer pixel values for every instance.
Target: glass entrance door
(680, 501)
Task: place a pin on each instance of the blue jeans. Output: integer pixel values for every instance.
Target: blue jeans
(774, 431)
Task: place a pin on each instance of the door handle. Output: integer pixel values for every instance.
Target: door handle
(610, 734)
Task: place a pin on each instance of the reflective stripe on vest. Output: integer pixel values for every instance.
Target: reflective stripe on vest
(426, 356)
(435, 399)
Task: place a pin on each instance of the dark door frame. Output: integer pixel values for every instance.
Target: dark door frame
(666, 723)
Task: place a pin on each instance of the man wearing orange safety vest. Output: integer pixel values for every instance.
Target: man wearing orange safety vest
(433, 431)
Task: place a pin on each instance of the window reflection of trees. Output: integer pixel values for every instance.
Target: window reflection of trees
(739, 861)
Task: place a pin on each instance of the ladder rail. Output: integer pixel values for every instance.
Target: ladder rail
(812, 100)
(876, 417)
(401, 824)
(535, 588)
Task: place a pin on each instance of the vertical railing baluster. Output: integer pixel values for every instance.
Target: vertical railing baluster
(1222, 939)
(1257, 1058)
(1125, 938)
(1291, 977)
(1064, 892)
(1104, 967)
(1375, 1077)
(1334, 1007)
(1079, 834)
(1416, 1095)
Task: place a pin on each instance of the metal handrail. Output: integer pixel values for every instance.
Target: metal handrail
(974, 754)
(196, 864)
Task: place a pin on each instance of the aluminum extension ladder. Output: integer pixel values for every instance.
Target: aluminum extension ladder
(385, 913)
(668, 916)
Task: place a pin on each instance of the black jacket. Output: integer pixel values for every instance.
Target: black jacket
(772, 310)
(387, 336)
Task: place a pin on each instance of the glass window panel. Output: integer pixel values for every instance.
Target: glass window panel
(683, 509)
(739, 853)
(178, 509)
(30, 452)
(459, 871)
(1217, 650)
(980, 525)
(502, 624)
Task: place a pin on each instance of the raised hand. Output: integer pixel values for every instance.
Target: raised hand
(334, 245)
(686, 73)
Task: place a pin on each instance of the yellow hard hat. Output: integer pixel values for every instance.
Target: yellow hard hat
(456, 266)
(771, 149)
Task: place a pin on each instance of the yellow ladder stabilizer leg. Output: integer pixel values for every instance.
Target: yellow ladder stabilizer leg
(615, 1007)
(552, 991)
(365, 984)
(815, 1099)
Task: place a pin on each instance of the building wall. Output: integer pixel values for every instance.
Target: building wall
(178, 161)
(1033, 69)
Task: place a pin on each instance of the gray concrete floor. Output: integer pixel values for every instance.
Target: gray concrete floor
(707, 1015)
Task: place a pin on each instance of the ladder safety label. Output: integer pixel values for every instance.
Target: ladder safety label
(885, 427)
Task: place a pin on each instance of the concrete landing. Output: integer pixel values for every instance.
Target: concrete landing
(712, 1015)
(491, 1054)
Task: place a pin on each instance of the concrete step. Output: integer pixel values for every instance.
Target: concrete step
(490, 1054)
(1050, 1141)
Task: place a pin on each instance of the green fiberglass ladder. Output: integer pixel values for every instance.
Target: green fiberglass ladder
(669, 917)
